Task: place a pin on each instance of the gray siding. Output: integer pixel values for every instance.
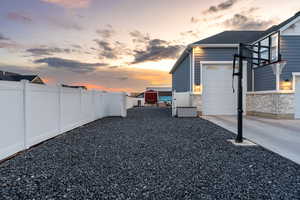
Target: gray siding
(249, 77)
(181, 76)
(211, 54)
(264, 79)
(290, 51)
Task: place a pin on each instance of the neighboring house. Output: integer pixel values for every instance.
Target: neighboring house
(9, 76)
(205, 70)
(74, 86)
(164, 93)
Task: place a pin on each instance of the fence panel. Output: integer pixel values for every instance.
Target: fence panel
(100, 106)
(113, 103)
(42, 113)
(71, 109)
(11, 118)
(33, 113)
(87, 105)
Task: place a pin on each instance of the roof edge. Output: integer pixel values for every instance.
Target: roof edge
(181, 57)
(190, 46)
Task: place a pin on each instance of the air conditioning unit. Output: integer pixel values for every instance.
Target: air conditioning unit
(186, 111)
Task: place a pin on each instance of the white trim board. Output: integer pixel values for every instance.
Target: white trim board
(294, 74)
(217, 63)
(210, 62)
(191, 71)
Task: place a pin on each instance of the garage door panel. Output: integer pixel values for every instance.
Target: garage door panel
(218, 96)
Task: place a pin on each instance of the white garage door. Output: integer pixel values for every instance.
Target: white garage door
(218, 96)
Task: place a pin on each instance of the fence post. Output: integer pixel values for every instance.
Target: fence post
(81, 117)
(94, 105)
(173, 103)
(59, 108)
(124, 104)
(25, 117)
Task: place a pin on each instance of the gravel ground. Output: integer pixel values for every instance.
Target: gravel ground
(148, 155)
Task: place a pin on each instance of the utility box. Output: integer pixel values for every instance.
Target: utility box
(186, 112)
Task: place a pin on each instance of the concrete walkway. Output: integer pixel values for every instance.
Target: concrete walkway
(279, 136)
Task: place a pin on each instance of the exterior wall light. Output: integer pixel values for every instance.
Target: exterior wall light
(197, 50)
(197, 88)
(286, 85)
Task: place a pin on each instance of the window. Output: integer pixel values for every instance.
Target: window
(264, 52)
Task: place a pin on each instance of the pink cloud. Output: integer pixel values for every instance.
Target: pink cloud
(17, 16)
(70, 3)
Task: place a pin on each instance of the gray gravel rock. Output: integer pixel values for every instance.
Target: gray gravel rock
(148, 155)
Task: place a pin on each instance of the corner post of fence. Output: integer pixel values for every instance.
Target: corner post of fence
(25, 111)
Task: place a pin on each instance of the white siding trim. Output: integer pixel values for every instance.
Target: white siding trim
(294, 74)
(191, 71)
(218, 63)
(277, 79)
(253, 76)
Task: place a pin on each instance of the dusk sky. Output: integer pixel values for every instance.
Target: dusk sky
(119, 45)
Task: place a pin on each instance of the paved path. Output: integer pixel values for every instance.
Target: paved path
(280, 136)
(148, 155)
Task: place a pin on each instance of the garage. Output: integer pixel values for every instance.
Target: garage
(218, 96)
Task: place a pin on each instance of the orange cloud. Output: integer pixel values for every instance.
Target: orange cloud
(154, 77)
(48, 80)
(70, 3)
(91, 86)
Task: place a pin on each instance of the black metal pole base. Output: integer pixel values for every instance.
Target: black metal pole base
(239, 140)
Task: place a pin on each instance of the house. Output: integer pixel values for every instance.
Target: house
(9, 76)
(164, 93)
(204, 70)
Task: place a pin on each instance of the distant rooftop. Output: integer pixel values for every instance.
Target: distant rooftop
(10, 76)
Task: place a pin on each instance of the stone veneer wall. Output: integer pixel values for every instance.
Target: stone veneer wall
(274, 105)
(197, 102)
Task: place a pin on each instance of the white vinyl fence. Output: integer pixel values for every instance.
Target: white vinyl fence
(133, 101)
(32, 113)
(129, 102)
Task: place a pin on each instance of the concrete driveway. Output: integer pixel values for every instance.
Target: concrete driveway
(279, 136)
